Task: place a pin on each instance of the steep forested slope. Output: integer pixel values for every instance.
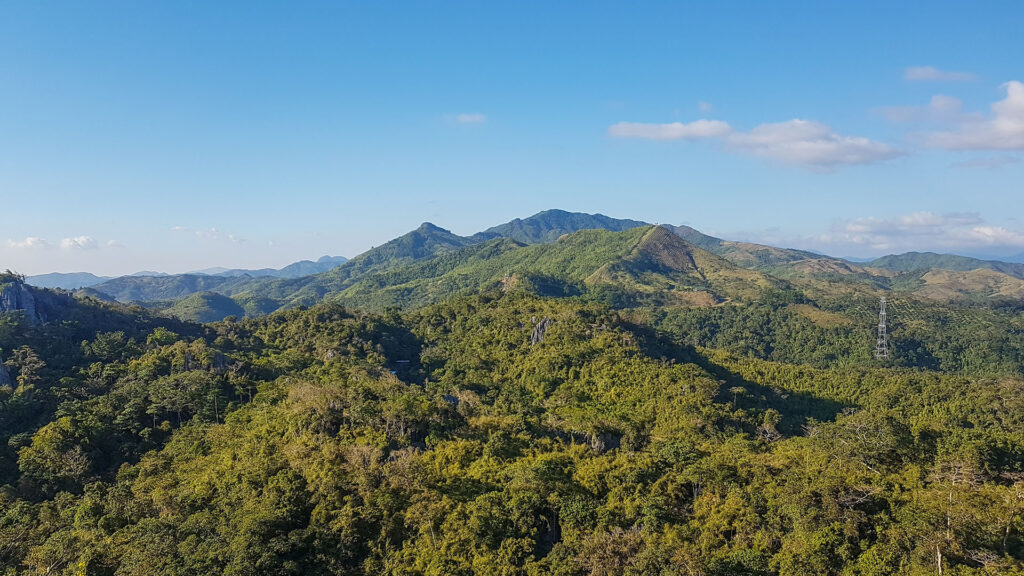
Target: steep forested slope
(646, 265)
(205, 307)
(500, 433)
(745, 254)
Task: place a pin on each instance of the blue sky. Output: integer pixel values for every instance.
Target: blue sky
(177, 136)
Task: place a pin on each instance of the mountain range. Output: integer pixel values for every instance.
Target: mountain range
(77, 280)
(626, 263)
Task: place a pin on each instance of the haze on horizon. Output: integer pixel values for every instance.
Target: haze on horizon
(178, 137)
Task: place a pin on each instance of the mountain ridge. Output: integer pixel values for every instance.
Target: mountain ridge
(634, 266)
(549, 225)
(79, 280)
(912, 261)
(428, 261)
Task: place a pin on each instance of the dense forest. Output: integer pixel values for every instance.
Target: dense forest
(510, 432)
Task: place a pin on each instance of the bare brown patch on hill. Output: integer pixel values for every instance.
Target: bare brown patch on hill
(820, 317)
(951, 285)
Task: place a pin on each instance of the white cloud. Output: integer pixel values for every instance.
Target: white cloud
(114, 244)
(1003, 130)
(30, 242)
(932, 74)
(800, 142)
(915, 224)
(918, 231)
(79, 242)
(704, 106)
(995, 236)
(810, 144)
(957, 232)
(471, 118)
(673, 131)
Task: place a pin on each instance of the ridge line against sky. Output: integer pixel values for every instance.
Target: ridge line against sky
(181, 137)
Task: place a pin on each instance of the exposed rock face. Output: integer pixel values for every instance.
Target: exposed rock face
(539, 330)
(220, 362)
(5, 376)
(16, 296)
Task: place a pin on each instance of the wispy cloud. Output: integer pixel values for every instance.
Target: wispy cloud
(697, 130)
(964, 232)
(1003, 129)
(79, 243)
(70, 243)
(470, 118)
(704, 106)
(29, 242)
(989, 163)
(932, 74)
(941, 108)
(923, 230)
(800, 142)
(209, 234)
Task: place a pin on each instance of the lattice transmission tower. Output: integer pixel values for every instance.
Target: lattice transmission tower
(882, 347)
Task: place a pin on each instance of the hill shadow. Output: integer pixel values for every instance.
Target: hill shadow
(795, 408)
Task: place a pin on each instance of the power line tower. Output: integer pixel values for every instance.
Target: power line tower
(882, 347)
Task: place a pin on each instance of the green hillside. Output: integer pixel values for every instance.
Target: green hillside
(500, 433)
(290, 289)
(152, 288)
(205, 307)
(590, 256)
(549, 225)
(745, 254)
(916, 261)
(646, 265)
(424, 243)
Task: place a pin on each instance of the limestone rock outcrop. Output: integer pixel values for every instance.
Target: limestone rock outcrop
(5, 376)
(15, 296)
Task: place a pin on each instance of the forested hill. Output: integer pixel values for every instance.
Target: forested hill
(501, 433)
(640, 266)
(914, 261)
(425, 242)
(549, 225)
(73, 281)
(745, 254)
(154, 288)
(431, 263)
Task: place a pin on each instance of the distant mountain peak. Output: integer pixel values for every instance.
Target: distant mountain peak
(431, 227)
(695, 237)
(913, 261)
(331, 260)
(549, 225)
(66, 281)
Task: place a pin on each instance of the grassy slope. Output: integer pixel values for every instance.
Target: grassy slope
(205, 307)
(645, 262)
